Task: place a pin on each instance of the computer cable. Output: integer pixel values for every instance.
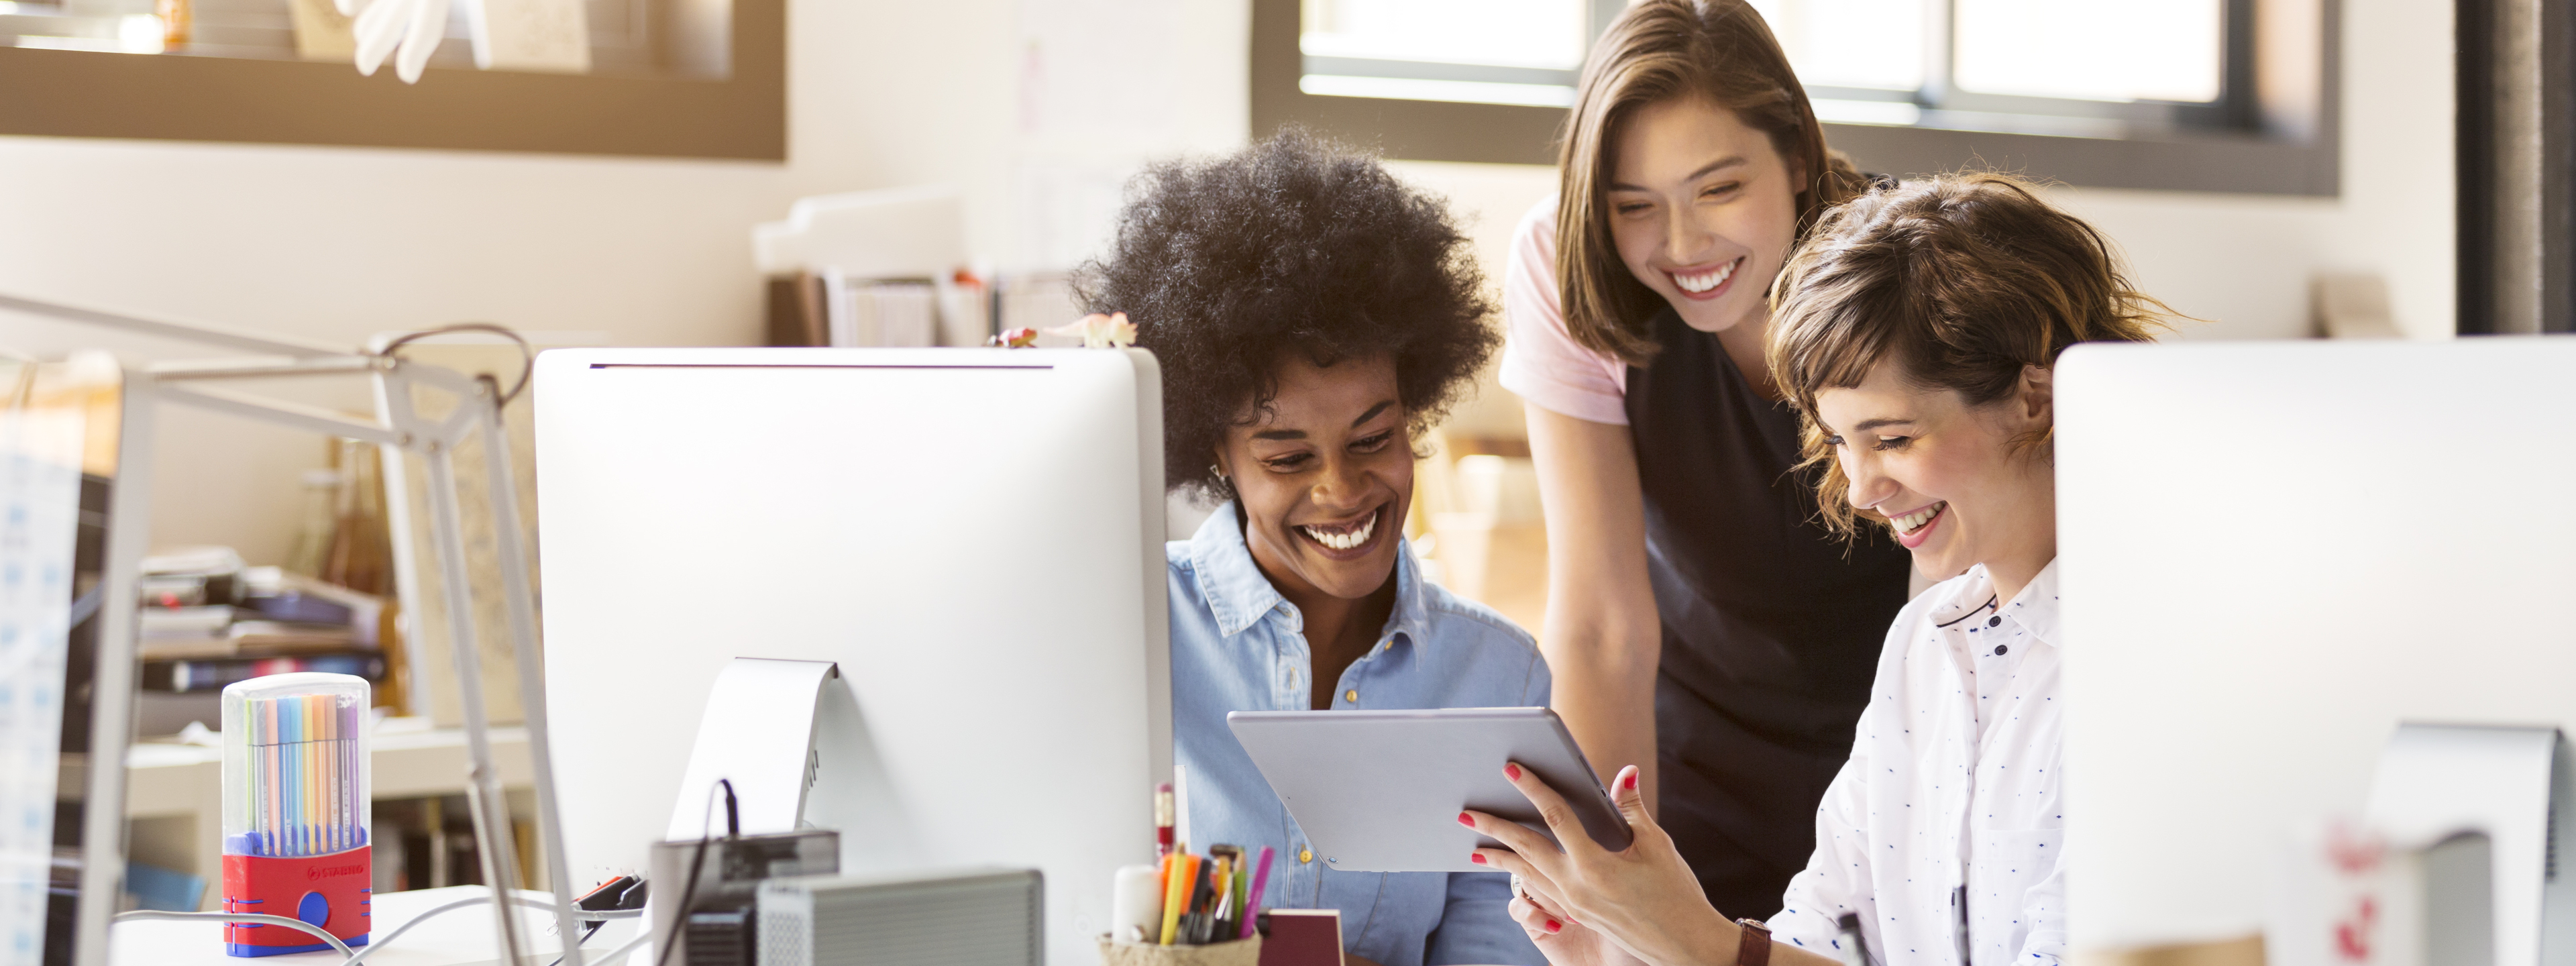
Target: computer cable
(527, 355)
(582, 914)
(626, 892)
(265, 920)
(697, 862)
(355, 957)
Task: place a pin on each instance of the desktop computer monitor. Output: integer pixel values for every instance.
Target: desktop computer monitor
(975, 538)
(63, 435)
(2270, 555)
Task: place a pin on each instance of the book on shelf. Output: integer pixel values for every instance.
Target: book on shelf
(264, 613)
(187, 676)
(796, 311)
(253, 639)
(828, 307)
(191, 577)
(203, 620)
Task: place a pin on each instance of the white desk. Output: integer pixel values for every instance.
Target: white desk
(460, 937)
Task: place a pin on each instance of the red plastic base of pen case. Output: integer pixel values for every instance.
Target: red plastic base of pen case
(330, 891)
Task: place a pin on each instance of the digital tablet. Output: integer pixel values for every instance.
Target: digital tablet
(1380, 791)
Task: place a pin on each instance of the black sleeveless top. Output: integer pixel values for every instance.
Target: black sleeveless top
(1772, 625)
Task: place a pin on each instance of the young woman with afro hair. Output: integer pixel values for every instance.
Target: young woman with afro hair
(1313, 317)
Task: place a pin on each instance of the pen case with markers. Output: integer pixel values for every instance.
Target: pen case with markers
(296, 811)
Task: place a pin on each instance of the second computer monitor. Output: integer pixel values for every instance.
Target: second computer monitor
(2271, 554)
(974, 537)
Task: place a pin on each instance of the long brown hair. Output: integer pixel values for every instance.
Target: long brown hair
(1961, 280)
(1661, 50)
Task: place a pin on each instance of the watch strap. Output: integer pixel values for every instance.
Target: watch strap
(1753, 944)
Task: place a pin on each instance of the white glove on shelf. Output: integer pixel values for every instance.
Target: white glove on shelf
(408, 29)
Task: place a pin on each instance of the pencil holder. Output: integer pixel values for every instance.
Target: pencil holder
(1240, 952)
(296, 810)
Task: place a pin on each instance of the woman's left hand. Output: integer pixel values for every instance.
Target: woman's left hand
(1562, 940)
(1642, 897)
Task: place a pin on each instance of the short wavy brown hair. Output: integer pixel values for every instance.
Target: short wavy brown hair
(1961, 280)
(1228, 265)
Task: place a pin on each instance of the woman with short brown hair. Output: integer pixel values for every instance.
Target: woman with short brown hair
(1700, 622)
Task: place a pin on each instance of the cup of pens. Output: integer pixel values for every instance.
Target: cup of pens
(296, 810)
(1191, 910)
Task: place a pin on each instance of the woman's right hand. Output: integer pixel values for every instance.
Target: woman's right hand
(1642, 899)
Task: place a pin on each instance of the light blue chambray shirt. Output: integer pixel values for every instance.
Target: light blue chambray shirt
(1237, 645)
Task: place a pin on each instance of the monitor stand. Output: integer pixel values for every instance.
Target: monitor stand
(2440, 784)
(790, 738)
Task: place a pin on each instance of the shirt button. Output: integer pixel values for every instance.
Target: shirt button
(1305, 855)
(1992, 621)
(1351, 696)
(2001, 648)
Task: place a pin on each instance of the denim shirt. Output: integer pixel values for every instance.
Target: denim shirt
(1237, 645)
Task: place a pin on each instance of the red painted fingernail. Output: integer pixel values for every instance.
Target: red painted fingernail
(1466, 820)
(1553, 925)
(1512, 772)
(1631, 782)
(1476, 857)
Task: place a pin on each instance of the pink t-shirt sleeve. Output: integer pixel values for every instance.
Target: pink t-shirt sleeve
(1541, 362)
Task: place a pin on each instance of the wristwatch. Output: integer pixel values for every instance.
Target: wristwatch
(1753, 945)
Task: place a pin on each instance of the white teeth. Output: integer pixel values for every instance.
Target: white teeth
(1345, 540)
(1915, 520)
(1705, 280)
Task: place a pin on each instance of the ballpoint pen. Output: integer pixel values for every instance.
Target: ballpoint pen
(1200, 891)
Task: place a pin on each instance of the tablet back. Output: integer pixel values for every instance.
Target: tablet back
(1380, 791)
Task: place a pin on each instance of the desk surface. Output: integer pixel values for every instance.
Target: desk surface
(460, 937)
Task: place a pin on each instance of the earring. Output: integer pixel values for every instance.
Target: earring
(1214, 471)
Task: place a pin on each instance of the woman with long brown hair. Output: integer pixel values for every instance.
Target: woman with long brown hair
(1701, 623)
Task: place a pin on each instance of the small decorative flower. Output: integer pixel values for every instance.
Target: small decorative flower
(1021, 338)
(1100, 331)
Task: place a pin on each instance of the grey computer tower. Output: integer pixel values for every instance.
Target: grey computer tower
(974, 917)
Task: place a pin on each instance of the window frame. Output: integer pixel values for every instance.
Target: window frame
(2273, 131)
(65, 93)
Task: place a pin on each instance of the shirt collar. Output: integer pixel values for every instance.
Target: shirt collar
(2037, 606)
(1238, 594)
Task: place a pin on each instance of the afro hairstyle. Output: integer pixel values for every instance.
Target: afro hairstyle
(1226, 265)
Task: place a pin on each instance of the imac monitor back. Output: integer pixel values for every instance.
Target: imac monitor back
(2271, 554)
(974, 536)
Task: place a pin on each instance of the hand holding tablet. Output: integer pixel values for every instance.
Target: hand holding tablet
(1381, 791)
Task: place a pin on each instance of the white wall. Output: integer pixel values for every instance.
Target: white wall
(2245, 262)
(1018, 102)
(1037, 108)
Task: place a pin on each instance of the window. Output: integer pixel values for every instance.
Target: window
(1506, 52)
(2009, 65)
(675, 78)
(2227, 95)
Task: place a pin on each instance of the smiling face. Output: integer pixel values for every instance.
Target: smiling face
(1950, 480)
(1324, 475)
(1702, 209)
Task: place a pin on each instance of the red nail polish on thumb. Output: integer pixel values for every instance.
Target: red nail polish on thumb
(1466, 820)
(1629, 783)
(1512, 772)
(1554, 926)
(1476, 857)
